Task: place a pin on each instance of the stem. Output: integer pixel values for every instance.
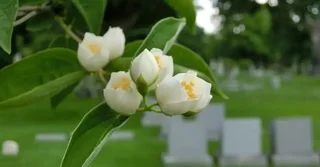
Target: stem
(154, 104)
(68, 30)
(140, 109)
(32, 8)
(154, 110)
(101, 72)
(25, 18)
(145, 102)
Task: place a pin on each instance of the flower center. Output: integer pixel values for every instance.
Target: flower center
(188, 86)
(123, 83)
(158, 61)
(95, 49)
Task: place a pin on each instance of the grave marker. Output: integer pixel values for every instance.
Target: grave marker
(241, 143)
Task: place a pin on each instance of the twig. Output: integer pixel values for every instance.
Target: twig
(32, 8)
(68, 30)
(25, 18)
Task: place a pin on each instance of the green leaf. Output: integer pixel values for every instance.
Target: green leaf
(44, 74)
(93, 12)
(63, 41)
(185, 8)
(8, 13)
(58, 98)
(91, 134)
(31, 2)
(40, 22)
(119, 64)
(162, 35)
(131, 48)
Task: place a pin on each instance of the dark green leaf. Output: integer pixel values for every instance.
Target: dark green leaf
(63, 41)
(119, 64)
(185, 8)
(162, 35)
(58, 98)
(42, 75)
(31, 2)
(40, 22)
(91, 134)
(8, 13)
(92, 11)
(131, 48)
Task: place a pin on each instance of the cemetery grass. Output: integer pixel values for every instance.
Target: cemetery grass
(298, 97)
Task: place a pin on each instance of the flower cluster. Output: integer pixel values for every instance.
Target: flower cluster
(94, 52)
(151, 70)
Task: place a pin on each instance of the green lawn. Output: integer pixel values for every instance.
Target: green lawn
(299, 97)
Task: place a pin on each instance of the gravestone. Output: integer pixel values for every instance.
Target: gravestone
(51, 137)
(241, 143)
(151, 118)
(122, 135)
(220, 68)
(10, 148)
(276, 82)
(212, 117)
(166, 123)
(292, 142)
(234, 73)
(187, 145)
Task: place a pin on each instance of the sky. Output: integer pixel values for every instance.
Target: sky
(204, 16)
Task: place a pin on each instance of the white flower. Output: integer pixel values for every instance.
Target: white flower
(115, 40)
(92, 52)
(121, 93)
(183, 93)
(144, 67)
(165, 64)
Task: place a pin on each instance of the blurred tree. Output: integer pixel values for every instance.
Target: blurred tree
(274, 32)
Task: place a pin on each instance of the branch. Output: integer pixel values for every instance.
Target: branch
(32, 8)
(68, 30)
(25, 18)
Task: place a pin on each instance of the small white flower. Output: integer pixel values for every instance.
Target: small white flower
(165, 64)
(183, 93)
(115, 40)
(93, 53)
(145, 67)
(121, 93)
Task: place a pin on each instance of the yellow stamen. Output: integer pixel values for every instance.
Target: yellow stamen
(189, 89)
(123, 83)
(95, 49)
(158, 61)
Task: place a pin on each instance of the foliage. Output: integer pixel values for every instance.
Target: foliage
(47, 35)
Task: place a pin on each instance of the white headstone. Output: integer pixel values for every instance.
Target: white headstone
(241, 143)
(220, 68)
(187, 145)
(122, 135)
(10, 148)
(51, 137)
(292, 142)
(276, 82)
(152, 118)
(166, 123)
(234, 73)
(212, 117)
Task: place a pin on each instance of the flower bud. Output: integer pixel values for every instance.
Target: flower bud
(144, 70)
(115, 40)
(165, 65)
(92, 52)
(183, 93)
(121, 93)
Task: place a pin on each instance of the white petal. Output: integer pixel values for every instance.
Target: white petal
(123, 102)
(156, 51)
(145, 64)
(204, 99)
(84, 57)
(115, 77)
(170, 90)
(177, 108)
(89, 38)
(115, 41)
